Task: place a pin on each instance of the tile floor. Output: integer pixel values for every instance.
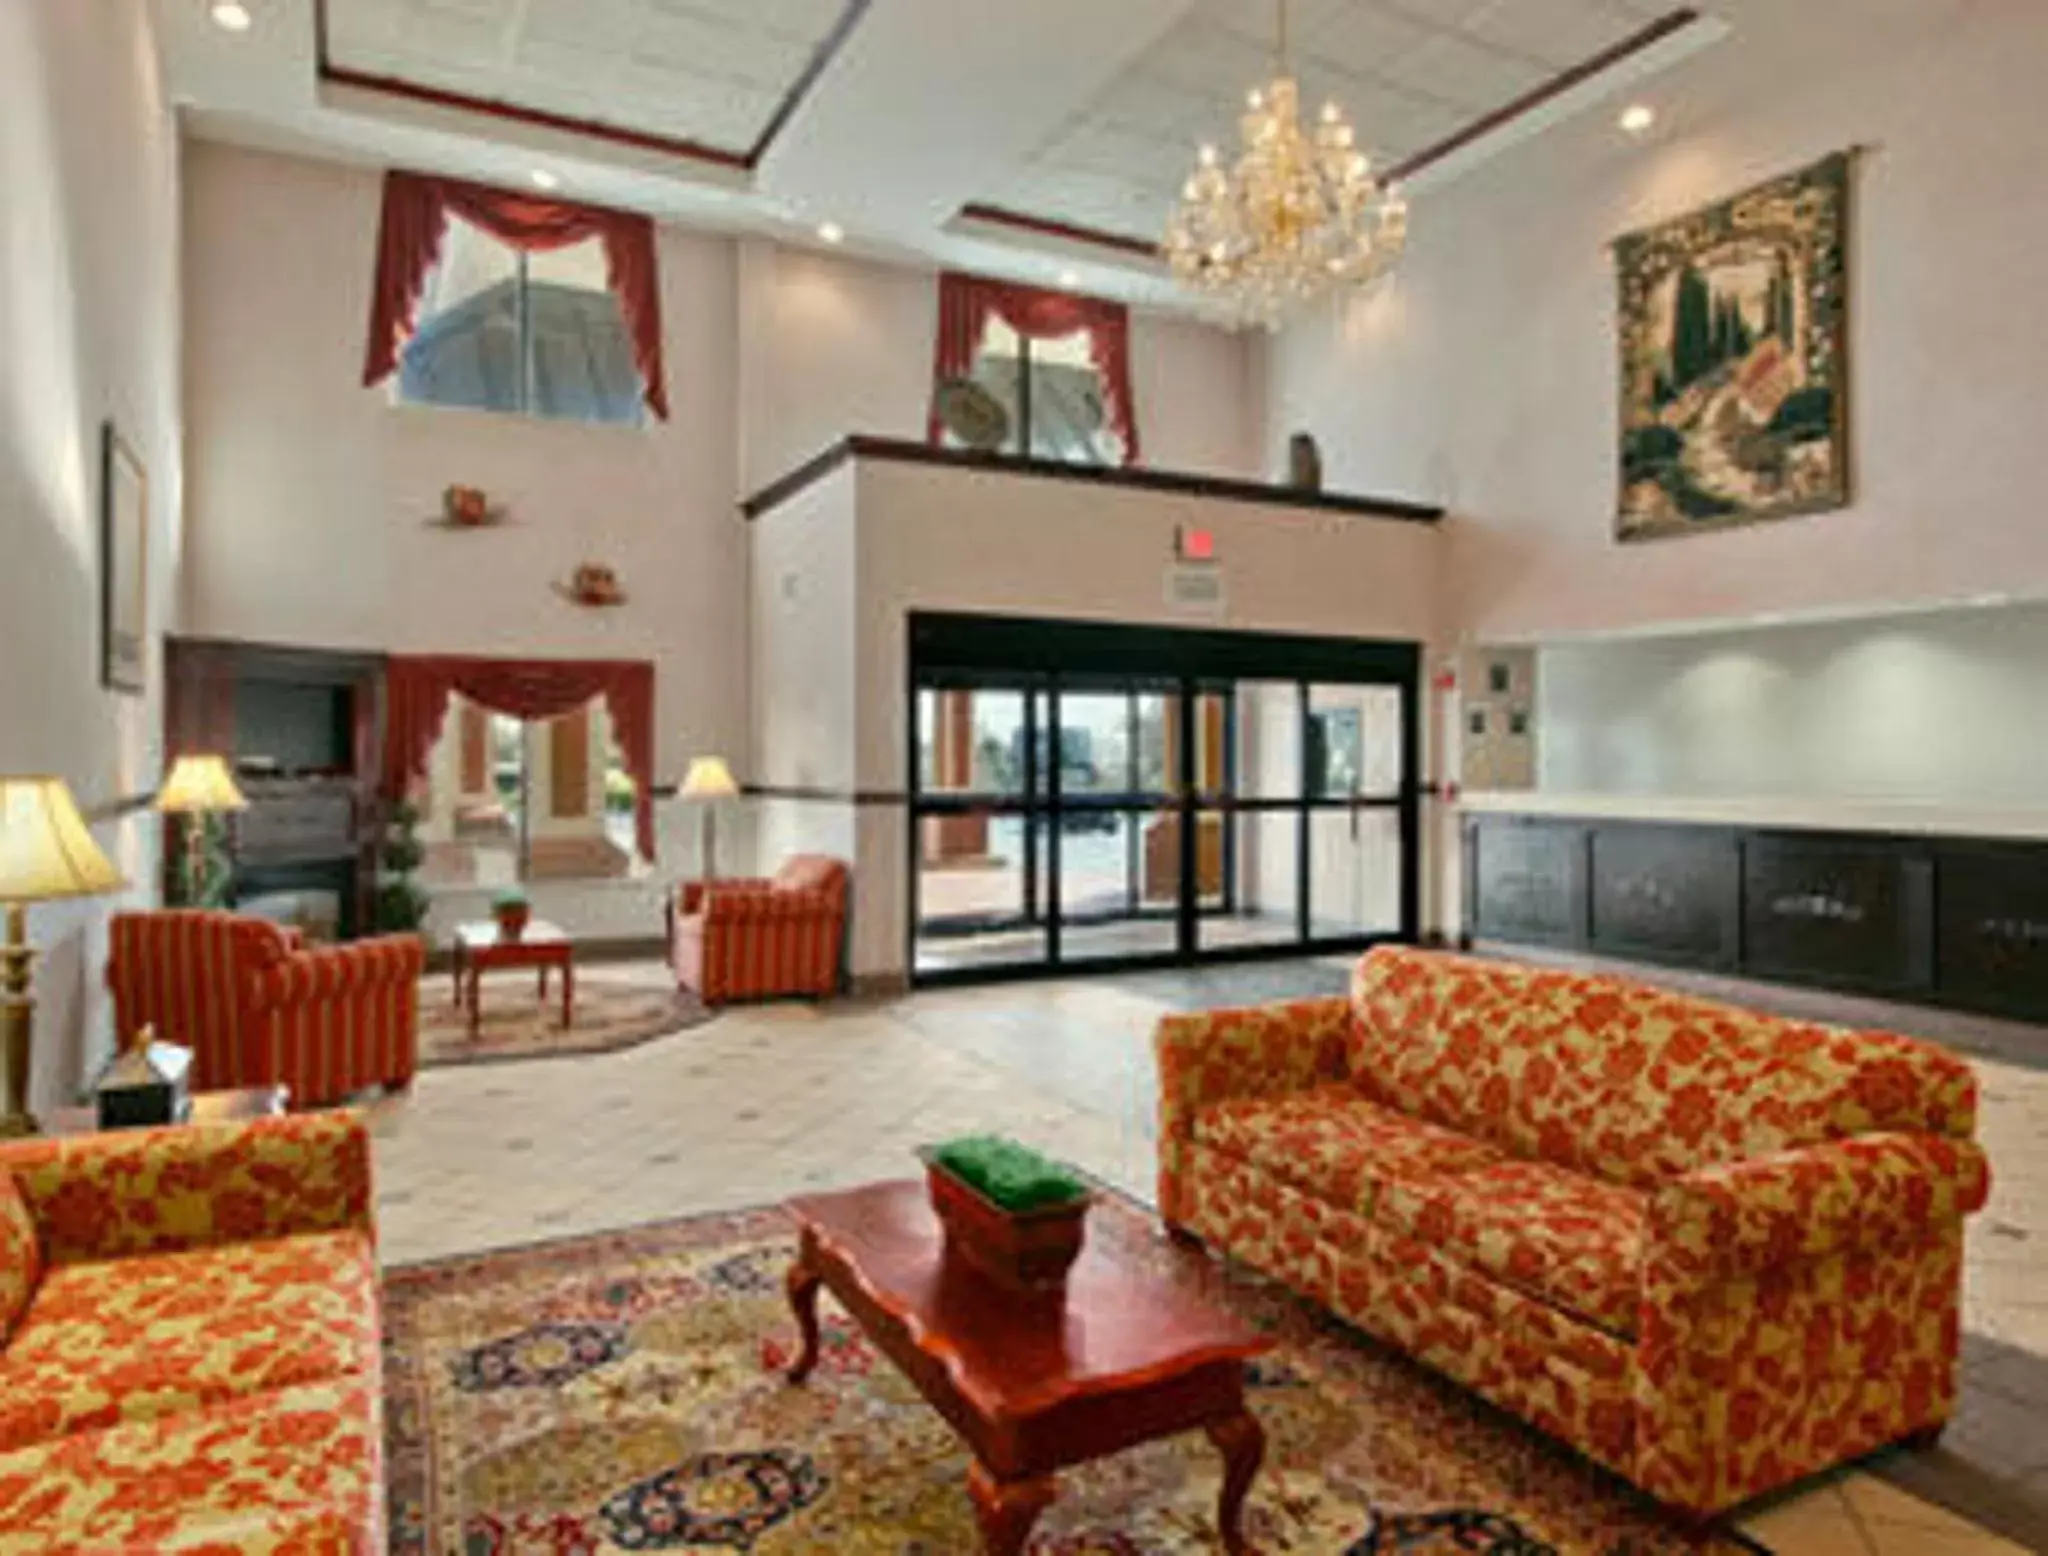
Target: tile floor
(767, 1101)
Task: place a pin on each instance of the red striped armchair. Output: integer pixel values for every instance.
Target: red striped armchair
(755, 939)
(258, 1008)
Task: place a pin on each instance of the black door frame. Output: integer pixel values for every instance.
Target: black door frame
(1037, 656)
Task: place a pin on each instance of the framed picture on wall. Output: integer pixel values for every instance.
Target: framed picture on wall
(124, 564)
(1734, 359)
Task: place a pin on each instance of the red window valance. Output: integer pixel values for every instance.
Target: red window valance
(417, 689)
(966, 303)
(416, 210)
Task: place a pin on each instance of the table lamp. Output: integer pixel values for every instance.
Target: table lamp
(708, 781)
(196, 787)
(45, 853)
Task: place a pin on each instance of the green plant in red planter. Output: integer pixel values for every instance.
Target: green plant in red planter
(511, 910)
(1012, 1214)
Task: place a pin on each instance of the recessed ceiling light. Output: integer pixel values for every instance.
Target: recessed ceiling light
(231, 16)
(1638, 119)
(543, 179)
(831, 232)
(1070, 279)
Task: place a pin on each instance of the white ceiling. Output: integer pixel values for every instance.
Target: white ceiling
(1409, 74)
(709, 71)
(1081, 110)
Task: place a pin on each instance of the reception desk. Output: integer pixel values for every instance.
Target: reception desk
(1918, 912)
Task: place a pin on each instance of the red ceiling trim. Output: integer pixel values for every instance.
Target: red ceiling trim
(1648, 37)
(1046, 226)
(641, 140)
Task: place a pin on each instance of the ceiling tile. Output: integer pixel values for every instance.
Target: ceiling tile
(711, 71)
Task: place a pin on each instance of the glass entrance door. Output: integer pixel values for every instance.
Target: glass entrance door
(1079, 820)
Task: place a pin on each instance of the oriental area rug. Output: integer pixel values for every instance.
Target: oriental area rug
(623, 1392)
(519, 1024)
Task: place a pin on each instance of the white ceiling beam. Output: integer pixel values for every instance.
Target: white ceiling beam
(933, 104)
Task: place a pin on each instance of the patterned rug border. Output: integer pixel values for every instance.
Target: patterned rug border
(671, 1234)
(687, 1014)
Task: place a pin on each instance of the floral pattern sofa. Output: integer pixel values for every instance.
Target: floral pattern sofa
(1713, 1250)
(189, 1341)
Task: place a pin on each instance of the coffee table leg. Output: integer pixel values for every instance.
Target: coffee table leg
(1006, 1509)
(1242, 1442)
(568, 995)
(802, 1283)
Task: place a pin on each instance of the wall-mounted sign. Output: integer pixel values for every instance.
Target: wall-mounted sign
(1195, 586)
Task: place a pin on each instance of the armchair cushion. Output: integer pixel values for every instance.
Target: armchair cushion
(137, 1339)
(110, 1195)
(1332, 1143)
(21, 1255)
(328, 972)
(1865, 1194)
(1550, 1233)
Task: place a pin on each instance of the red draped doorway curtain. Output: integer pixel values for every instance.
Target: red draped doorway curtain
(967, 303)
(417, 689)
(416, 211)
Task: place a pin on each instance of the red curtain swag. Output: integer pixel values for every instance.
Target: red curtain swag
(416, 210)
(417, 689)
(966, 303)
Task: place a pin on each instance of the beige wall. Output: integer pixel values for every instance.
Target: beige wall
(832, 345)
(311, 496)
(88, 331)
(932, 538)
(1484, 374)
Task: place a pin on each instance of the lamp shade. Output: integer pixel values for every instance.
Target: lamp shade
(45, 849)
(198, 784)
(708, 779)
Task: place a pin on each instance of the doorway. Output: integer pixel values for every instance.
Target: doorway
(1087, 797)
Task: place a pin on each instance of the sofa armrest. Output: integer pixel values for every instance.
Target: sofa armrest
(1256, 1051)
(1863, 1193)
(337, 971)
(140, 1191)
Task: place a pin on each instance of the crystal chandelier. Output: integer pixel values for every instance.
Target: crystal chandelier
(1298, 216)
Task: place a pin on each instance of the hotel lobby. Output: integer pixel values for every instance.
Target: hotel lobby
(888, 776)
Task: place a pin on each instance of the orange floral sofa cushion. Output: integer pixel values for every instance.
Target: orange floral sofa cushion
(196, 1366)
(1332, 1143)
(1550, 1233)
(1623, 1081)
(137, 1339)
(300, 1470)
(21, 1255)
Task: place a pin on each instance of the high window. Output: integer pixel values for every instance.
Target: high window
(538, 334)
(1059, 363)
(1053, 392)
(505, 301)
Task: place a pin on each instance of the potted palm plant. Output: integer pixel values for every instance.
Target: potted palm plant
(1008, 1212)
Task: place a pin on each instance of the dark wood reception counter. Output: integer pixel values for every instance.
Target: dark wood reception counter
(1927, 915)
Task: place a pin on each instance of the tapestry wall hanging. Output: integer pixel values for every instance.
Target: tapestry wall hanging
(1734, 369)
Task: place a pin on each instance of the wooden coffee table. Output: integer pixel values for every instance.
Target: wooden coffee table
(479, 947)
(1032, 1386)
